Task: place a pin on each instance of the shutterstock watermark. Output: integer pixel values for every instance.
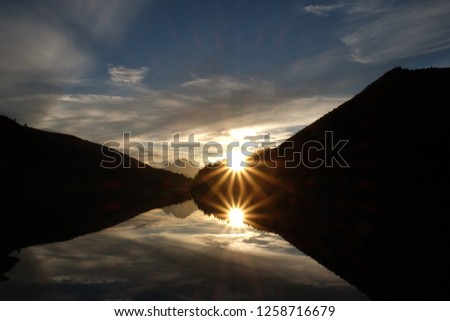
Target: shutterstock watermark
(311, 154)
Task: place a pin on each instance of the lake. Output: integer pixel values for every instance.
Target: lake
(174, 253)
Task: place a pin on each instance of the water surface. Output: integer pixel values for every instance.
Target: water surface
(176, 253)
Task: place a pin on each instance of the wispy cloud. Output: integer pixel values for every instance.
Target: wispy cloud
(104, 19)
(380, 31)
(322, 10)
(127, 76)
(38, 49)
(43, 58)
(36, 58)
(405, 31)
(227, 83)
(347, 7)
(92, 98)
(156, 115)
(45, 53)
(223, 87)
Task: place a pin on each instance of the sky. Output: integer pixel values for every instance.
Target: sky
(224, 70)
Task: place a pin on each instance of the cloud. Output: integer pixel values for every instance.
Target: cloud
(227, 83)
(321, 10)
(30, 47)
(255, 104)
(367, 6)
(42, 64)
(224, 88)
(93, 98)
(407, 30)
(210, 108)
(348, 7)
(37, 59)
(382, 31)
(104, 19)
(28, 109)
(127, 76)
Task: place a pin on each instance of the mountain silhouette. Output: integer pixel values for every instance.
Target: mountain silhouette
(52, 188)
(183, 166)
(376, 213)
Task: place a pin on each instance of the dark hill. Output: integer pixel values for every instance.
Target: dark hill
(182, 166)
(382, 222)
(52, 188)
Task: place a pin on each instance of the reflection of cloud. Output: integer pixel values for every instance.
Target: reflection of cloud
(181, 210)
(127, 76)
(155, 256)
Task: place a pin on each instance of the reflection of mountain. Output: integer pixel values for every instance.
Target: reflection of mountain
(382, 222)
(183, 166)
(182, 210)
(53, 188)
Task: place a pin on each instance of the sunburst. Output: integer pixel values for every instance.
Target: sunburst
(244, 198)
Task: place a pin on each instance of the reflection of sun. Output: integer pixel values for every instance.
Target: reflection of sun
(236, 217)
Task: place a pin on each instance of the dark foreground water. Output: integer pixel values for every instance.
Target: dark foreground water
(176, 253)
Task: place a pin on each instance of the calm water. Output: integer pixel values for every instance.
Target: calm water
(176, 253)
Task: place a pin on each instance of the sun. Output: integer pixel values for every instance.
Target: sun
(236, 217)
(236, 160)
